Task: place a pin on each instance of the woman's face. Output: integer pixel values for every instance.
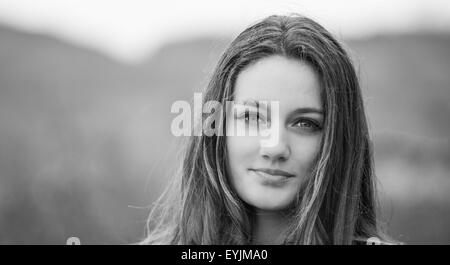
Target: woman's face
(269, 177)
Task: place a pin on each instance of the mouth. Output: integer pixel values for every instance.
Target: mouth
(273, 172)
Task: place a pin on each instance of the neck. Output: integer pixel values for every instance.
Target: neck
(269, 227)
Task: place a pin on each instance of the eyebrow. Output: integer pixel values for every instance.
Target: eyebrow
(304, 110)
(251, 102)
(307, 110)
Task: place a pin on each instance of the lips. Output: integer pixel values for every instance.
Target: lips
(274, 172)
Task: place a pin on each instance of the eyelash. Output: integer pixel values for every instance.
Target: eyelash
(247, 114)
(315, 127)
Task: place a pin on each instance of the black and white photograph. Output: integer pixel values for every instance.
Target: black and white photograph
(272, 122)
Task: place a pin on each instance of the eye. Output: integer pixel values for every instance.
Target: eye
(307, 125)
(251, 116)
(255, 116)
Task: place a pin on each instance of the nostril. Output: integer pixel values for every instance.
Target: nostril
(279, 153)
(277, 157)
(283, 158)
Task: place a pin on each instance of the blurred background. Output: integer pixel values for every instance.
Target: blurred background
(86, 89)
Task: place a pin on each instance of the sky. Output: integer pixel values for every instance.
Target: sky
(130, 30)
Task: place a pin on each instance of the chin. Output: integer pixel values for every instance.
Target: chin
(271, 204)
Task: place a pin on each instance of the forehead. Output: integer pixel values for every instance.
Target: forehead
(276, 78)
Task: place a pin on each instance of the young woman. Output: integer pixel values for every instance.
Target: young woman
(315, 185)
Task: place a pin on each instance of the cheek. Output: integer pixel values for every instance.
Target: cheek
(305, 151)
(241, 150)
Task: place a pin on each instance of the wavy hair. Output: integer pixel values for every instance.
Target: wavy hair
(337, 204)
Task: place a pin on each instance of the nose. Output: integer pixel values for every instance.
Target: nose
(276, 153)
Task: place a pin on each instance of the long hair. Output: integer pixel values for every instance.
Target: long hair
(336, 205)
